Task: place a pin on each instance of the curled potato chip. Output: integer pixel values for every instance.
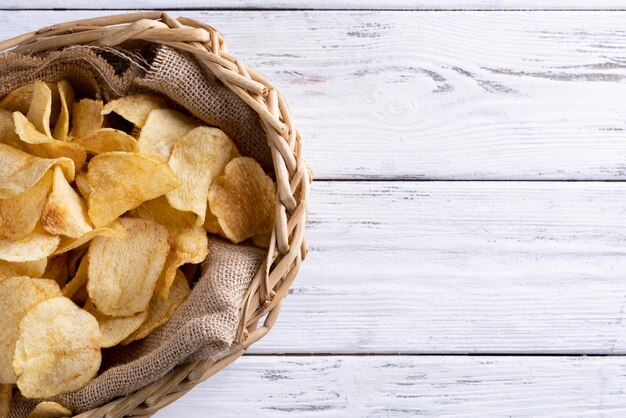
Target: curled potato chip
(115, 329)
(41, 107)
(66, 97)
(19, 214)
(44, 146)
(189, 243)
(59, 357)
(114, 230)
(135, 108)
(39, 244)
(28, 268)
(107, 140)
(197, 159)
(57, 270)
(7, 131)
(86, 117)
(121, 181)
(161, 310)
(162, 129)
(82, 184)
(123, 272)
(79, 280)
(19, 99)
(49, 409)
(64, 213)
(6, 393)
(211, 224)
(17, 296)
(243, 200)
(19, 171)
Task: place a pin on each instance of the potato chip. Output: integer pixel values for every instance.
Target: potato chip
(28, 268)
(6, 393)
(44, 146)
(20, 171)
(65, 212)
(57, 270)
(86, 117)
(243, 200)
(7, 131)
(114, 230)
(123, 272)
(163, 128)
(17, 296)
(82, 184)
(189, 242)
(107, 140)
(20, 214)
(135, 108)
(74, 258)
(197, 159)
(121, 181)
(39, 244)
(49, 409)
(211, 224)
(18, 100)
(41, 107)
(161, 310)
(66, 96)
(115, 329)
(58, 349)
(79, 280)
(262, 241)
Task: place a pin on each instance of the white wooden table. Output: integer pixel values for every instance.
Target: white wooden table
(468, 219)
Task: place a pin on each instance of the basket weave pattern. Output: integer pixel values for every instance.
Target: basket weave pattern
(263, 299)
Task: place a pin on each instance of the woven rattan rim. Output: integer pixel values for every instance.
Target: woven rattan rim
(288, 248)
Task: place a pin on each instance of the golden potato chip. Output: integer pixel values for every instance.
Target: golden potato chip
(114, 230)
(243, 200)
(74, 258)
(66, 96)
(20, 214)
(6, 393)
(65, 212)
(107, 140)
(44, 146)
(62, 355)
(121, 181)
(82, 184)
(163, 128)
(20, 171)
(49, 409)
(57, 270)
(161, 310)
(86, 117)
(17, 296)
(262, 241)
(135, 108)
(18, 100)
(79, 280)
(123, 272)
(37, 245)
(7, 131)
(28, 268)
(197, 158)
(41, 107)
(189, 242)
(115, 329)
(211, 224)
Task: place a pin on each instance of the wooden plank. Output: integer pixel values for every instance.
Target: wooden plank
(437, 95)
(410, 386)
(459, 267)
(326, 4)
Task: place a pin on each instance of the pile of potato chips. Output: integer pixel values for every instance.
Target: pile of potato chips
(100, 207)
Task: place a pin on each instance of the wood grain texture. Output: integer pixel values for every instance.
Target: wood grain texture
(401, 5)
(409, 387)
(459, 267)
(436, 95)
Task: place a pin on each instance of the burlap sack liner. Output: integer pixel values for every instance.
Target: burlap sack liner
(205, 326)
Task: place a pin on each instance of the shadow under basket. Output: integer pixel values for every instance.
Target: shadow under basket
(238, 297)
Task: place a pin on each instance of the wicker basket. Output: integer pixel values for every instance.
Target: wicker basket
(264, 297)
